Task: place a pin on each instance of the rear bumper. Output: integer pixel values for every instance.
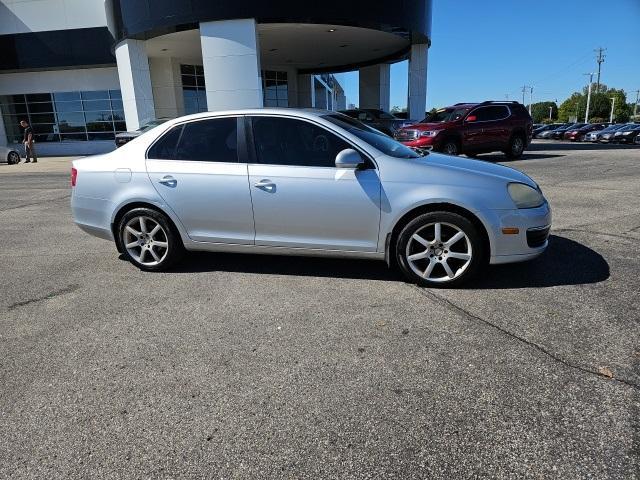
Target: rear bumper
(93, 215)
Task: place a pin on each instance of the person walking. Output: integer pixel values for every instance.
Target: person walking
(27, 140)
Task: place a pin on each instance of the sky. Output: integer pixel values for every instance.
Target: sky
(488, 49)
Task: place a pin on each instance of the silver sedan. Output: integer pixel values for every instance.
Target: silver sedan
(298, 182)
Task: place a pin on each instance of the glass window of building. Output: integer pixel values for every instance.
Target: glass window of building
(275, 88)
(193, 89)
(64, 116)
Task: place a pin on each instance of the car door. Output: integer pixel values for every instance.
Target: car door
(495, 126)
(196, 169)
(300, 199)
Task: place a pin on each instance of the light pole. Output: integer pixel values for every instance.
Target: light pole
(613, 103)
(586, 116)
(530, 99)
(550, 111)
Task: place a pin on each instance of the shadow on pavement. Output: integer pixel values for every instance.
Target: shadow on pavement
(565, 262)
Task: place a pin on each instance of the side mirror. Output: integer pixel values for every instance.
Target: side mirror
(349, 158)
(472, 118)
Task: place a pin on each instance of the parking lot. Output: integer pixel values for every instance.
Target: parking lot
(238, 366)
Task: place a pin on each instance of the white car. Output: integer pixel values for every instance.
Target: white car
(9, 155)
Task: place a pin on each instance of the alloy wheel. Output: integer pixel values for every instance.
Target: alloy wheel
(517, 146)
(451, 148)
(439, 252)
(145, 240)
(13, 158)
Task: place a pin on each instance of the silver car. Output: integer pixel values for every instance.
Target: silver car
(299, 182)
(9, 155)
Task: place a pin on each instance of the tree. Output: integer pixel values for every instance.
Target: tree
(540, 111)
(572, 107)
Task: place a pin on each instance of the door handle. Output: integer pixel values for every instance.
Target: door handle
(265, 184)
(169, 181)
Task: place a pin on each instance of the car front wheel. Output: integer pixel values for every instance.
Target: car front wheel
(13, 158)
(148, 240)
(440, 249)
(450, 147)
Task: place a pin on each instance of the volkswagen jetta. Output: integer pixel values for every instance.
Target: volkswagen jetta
(300, 182)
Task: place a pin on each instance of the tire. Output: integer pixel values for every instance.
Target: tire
(13, 158)
(516, 147)
(157, 243)
(422, 258)
(450, 147)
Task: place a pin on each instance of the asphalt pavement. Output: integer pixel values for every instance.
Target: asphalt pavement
(239, 366)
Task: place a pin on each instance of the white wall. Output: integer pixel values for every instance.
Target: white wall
(23, 16)
(59, 81)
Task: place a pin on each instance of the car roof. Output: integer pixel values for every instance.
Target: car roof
(309, 113)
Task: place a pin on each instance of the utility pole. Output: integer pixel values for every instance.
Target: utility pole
(600, 59)
(586, 116)
(613, 103)
(530, 99)
(524, 89)
(635, 107)
(550, 112)
(506, 95)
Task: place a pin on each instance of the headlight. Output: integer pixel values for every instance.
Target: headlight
(525, 196)
(430, 133)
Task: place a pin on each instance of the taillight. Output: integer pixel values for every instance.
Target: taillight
(74, 176)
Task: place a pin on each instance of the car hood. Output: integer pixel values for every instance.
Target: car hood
(450, 170)
(427, 126)
(479, 167)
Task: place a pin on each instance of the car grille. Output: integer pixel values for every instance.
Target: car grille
(537, 236)
(406, 135)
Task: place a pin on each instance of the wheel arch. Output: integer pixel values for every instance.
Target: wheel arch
(124, 208)
(446, 206)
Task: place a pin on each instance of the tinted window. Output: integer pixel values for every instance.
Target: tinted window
(375, 138)
(496, 112)
(286, 141)
(212, 140)
(165, 148)
(445, 115)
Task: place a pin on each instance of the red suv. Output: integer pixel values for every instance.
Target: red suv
(472, 128)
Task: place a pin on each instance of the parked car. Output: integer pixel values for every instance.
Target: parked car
(548, 134)
(298, 182)
(558, 133)
(9, 155)
(378, 119)
(472, 128)
(595, 135)
(627, 134)
(579, 134)
(606, 137)
(537, 132)
(125, 137)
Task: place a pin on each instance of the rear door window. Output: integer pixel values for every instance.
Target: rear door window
(210, 140)
(165, 147)
(491, 113)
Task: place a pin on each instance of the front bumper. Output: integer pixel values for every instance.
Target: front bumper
(533, 226)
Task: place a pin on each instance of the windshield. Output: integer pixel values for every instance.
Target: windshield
(379, 140)
(445, 115)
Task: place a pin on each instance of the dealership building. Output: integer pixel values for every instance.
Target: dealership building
(80, 71)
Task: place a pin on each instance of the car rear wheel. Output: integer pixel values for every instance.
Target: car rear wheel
(439, 249)
(13, 158)
(148, 240)
(516, 147)
(450, 147)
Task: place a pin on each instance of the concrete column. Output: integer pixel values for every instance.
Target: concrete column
(320, 94)
(231, 61)
(417, 98)
(3, 133)
(167, 87)
(135, 83)
(306, 92)
(375, 86)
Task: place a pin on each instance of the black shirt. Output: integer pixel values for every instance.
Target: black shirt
(27, 131)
